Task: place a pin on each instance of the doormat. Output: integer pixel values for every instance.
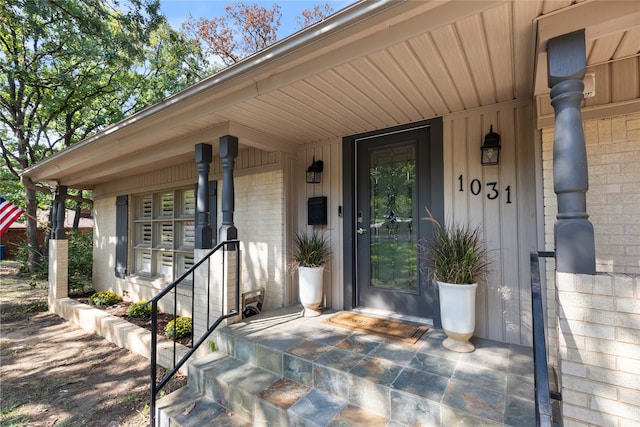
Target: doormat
(405, 332)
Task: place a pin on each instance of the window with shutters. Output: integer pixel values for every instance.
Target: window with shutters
(164, 233)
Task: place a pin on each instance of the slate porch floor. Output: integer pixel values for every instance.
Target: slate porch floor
(330, 376)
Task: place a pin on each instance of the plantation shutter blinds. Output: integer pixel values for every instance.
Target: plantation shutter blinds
(122, 222)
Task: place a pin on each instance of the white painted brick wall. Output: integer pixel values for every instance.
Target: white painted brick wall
(599, 348)
(259, 213)
(613, 199)
(259, 218)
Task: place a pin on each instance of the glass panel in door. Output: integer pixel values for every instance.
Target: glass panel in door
(392, 196)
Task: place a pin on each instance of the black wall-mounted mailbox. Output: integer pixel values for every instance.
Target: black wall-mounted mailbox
(317, 211)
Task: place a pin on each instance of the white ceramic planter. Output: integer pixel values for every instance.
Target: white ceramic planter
(458, 315)
(310, 289)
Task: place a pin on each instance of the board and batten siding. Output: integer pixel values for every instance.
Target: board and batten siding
(504, 303)
(330, 152)
(502, 201)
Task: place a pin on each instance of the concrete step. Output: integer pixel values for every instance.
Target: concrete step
(189, 408)
(284, 370)
(224, 390)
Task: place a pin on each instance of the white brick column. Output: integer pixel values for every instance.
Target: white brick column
(58, 270)
(599, 349)
(219, 274)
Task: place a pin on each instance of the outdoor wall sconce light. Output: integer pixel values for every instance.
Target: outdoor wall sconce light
(491, 148)
(314, 171)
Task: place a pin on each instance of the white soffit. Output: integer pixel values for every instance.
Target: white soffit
(612, 32)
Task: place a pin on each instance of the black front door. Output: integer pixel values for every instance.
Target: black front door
(397, 178)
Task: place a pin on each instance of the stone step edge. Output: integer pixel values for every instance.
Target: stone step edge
(188, 408)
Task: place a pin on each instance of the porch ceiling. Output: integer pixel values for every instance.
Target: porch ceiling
(371, 66)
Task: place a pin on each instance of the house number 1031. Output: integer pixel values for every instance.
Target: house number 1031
(475, 186)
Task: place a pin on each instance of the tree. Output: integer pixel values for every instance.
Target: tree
(71, 67)
(245, 29)
(317, 14)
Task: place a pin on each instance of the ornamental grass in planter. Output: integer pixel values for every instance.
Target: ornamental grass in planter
(456, 254)
(310, 250)
(457, 259)
(309, 256)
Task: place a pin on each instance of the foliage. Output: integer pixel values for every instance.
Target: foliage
(455, 253)
(245, 29)
(393, 263)
(317, 14)
(173, 61)
(41, 270)
(68, 71)
(71, 68)
(104, 298)
(11, 189)
(179, 328)
(310, 250)
(80, 260)
(139, 309)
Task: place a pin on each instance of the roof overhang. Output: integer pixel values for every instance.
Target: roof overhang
(612, 32)
(370, 66)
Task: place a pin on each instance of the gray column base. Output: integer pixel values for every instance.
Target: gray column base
(575, 246)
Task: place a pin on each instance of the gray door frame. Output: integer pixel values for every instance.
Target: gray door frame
(430, 193)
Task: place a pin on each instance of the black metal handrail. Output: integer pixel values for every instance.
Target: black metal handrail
(541, 370)
(177, 364)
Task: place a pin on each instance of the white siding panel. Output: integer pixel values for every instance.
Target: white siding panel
(503, 303)
(448, 47)
(599, 50)
(471, 31)
(369, 85)
(433, 64)
(330, 153)
(503, 56)
(629, 45)
(523, 11)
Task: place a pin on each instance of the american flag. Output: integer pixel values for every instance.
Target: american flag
(8, 214)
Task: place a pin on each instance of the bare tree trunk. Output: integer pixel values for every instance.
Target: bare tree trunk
(48, 234)
(35, 253)
(76, 218)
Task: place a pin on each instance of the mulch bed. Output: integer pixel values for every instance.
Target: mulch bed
(120, 310)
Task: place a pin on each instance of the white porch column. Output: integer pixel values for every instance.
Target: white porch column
(219, 275)
(58, 270)
(58, 252)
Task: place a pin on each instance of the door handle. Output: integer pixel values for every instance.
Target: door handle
(361, 230)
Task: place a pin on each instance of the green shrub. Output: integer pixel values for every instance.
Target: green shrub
(179, 328)
(104, 298)
(41, 271)
(80, 261)
(80, 253)
(139, 309)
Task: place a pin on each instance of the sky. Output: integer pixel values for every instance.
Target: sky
(177, 11)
